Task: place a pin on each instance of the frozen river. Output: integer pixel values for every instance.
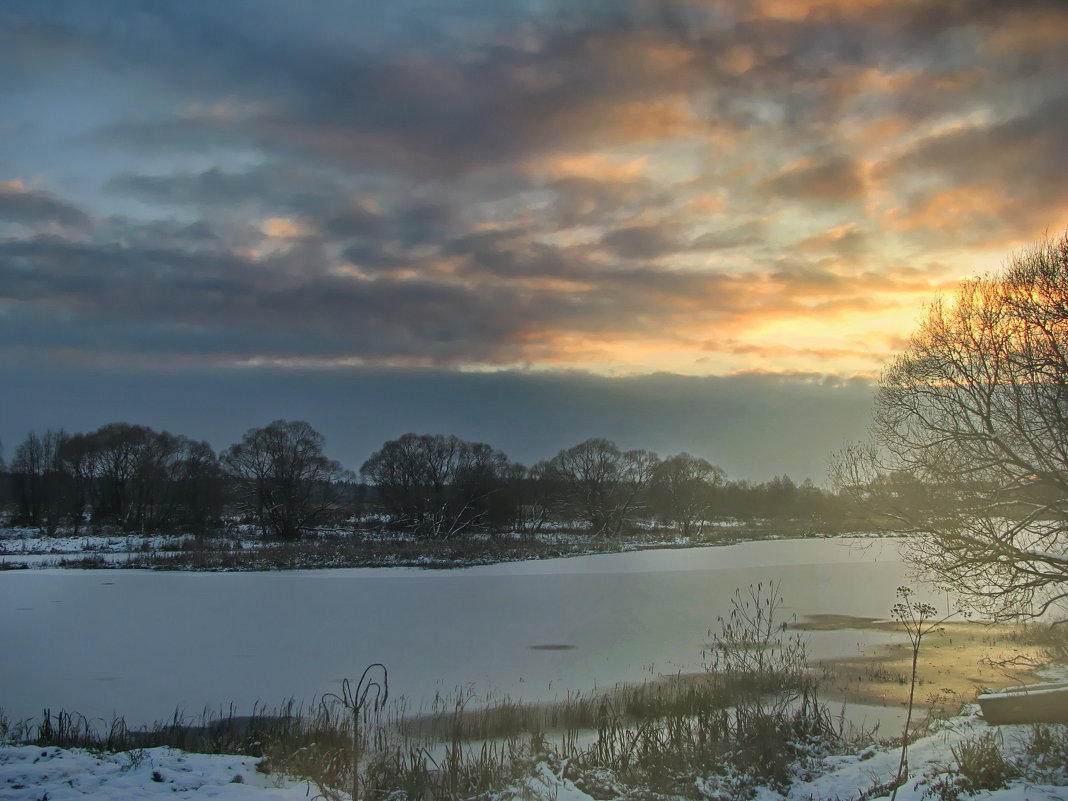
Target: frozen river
(142, 643)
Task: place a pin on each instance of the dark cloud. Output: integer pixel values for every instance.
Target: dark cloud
(317, 315)
(643, 241)
(502, 300)
(33, 207)
(832, 179)
(270, 185)
(1024, 148)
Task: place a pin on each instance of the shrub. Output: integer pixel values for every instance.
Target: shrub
(980, 765)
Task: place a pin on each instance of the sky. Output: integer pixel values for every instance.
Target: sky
(682, 224)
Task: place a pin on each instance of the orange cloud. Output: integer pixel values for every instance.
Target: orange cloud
(1028, 33)
(285, 228)
(953, 210)
(653, 52)
(738, 60)
(798, 10)
(707, 204)
(663, 118)
(593, 165)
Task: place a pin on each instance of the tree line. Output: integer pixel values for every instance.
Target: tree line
(277, 478)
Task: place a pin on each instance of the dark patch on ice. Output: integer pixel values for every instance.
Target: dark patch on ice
(108, 583)
(552, 647)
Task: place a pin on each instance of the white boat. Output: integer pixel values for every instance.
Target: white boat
(1034, 703)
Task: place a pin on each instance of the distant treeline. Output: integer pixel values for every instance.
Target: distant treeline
(277, 478)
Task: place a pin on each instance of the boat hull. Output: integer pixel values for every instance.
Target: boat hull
(1035, 703)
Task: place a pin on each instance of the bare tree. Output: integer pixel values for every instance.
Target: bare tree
(682, 488)
(39, 482)
(287, 481)
(976, 409)
(200, 486)
(602, 484)
(119, 457)
(442, 486)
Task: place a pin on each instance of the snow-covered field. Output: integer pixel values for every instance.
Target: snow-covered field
(31, 772)
(28, 546)
(18, 543)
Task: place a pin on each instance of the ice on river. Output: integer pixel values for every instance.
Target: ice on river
(143, 643)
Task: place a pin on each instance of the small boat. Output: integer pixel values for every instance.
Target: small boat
(1034, 703)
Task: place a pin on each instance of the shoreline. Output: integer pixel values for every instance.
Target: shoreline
(355, 551)
(954, 664)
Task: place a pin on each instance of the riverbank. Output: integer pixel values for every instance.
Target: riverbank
(24, 549)
(960, 757)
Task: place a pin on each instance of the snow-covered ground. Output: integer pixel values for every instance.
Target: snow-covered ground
(32, 772)
(847, 776)
(20, 541)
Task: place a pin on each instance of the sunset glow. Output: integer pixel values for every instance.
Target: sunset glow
(697, 189)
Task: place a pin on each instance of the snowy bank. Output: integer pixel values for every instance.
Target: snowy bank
(32, 773)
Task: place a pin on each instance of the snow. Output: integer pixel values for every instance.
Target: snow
(927, 757)
(848, 776)
(32, 773)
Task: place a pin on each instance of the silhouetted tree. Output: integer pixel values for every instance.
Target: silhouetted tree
(977, 409)
(601, 484)
(200, 486)
(780, 497)
(39, 482)
(78, 459)
(287, 482)
(440, 486)
(118, 456)
(682, 491)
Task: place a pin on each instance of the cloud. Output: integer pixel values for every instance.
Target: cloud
(1005, 176)
(491, 298)
(609, 186)
(271, 185)
(831, 179)
(38, 208)
(643, 241)
(747, 233)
